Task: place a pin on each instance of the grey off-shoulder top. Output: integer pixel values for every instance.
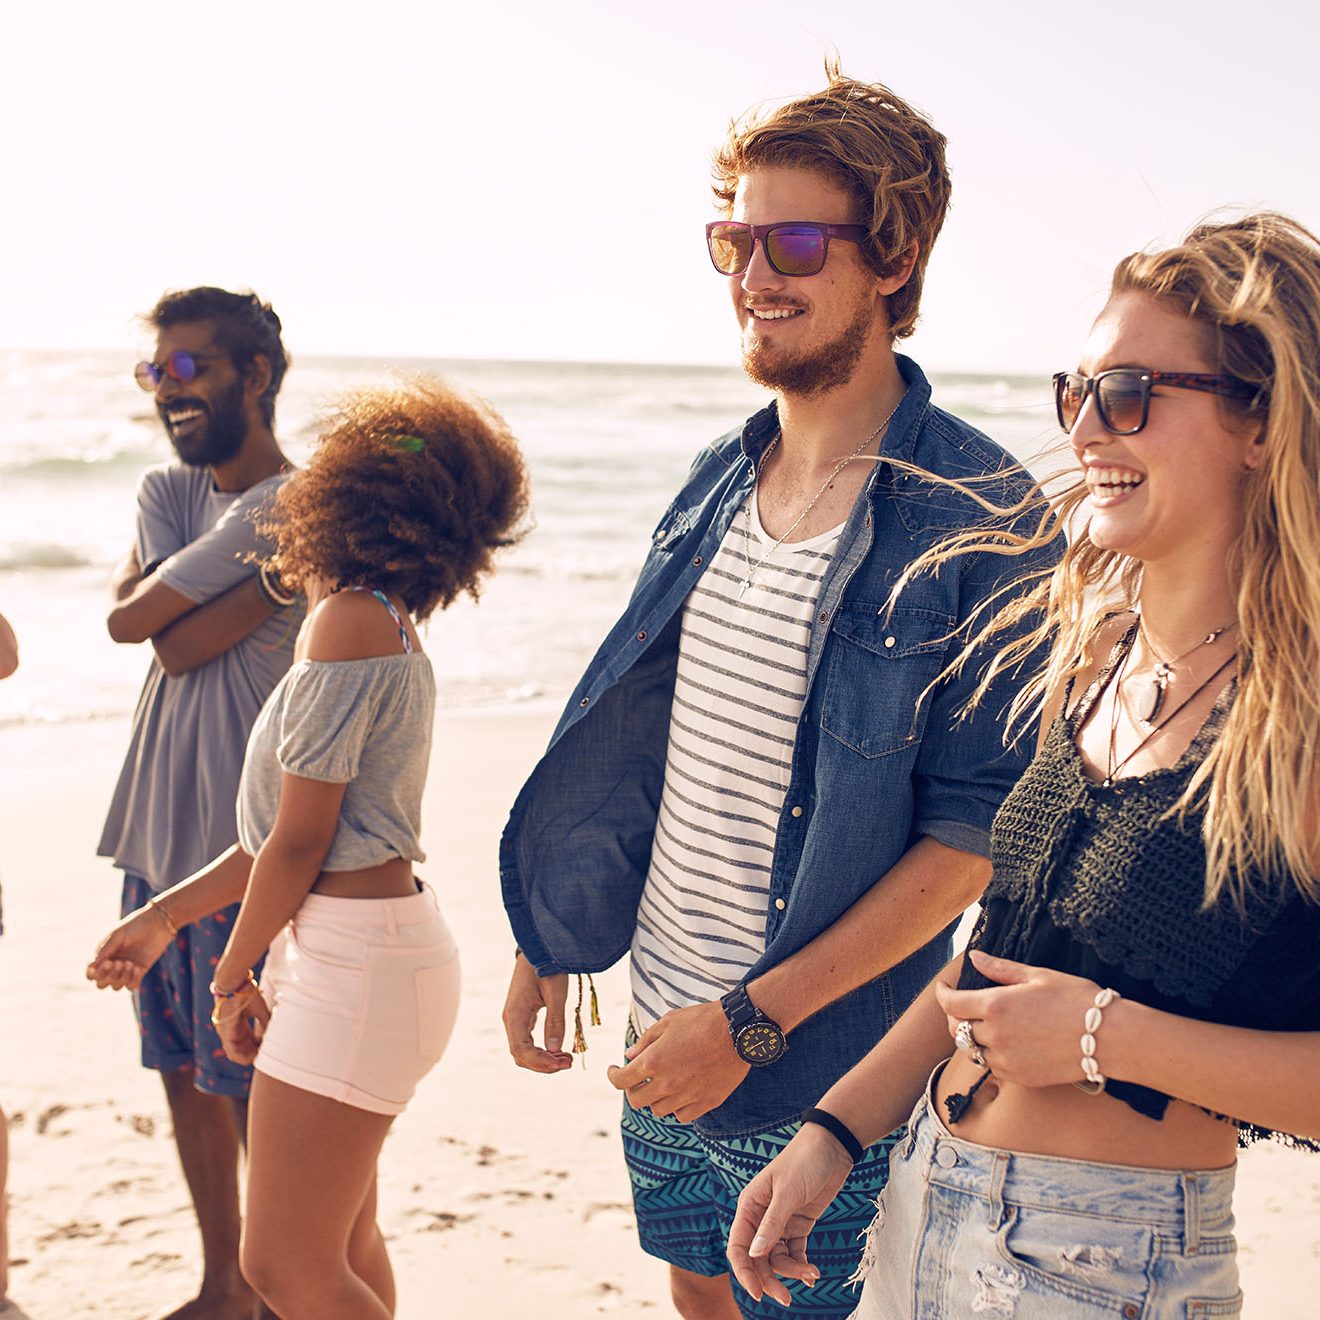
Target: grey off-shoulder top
(364, 723)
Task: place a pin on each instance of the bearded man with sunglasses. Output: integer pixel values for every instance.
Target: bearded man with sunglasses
(755, 789)
(222, 635)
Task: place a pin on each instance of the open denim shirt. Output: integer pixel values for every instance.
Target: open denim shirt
(872, 771)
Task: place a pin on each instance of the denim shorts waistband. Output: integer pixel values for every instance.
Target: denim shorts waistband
(1177, 1200)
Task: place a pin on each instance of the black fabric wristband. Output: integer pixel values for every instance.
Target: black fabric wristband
(838, 1129)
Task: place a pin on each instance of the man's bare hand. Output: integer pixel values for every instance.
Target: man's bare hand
(685, 1065)
(528, 995)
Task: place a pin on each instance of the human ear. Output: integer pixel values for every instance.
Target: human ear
(902, 272)
(1254, 454)
(256, 375)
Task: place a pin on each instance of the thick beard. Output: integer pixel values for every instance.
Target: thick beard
(815, 372)
(223, 436)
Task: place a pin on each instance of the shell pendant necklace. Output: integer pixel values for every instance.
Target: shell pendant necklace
(752, 569)
(1149, 706)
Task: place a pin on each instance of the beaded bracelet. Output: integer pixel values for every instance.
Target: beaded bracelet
(249, 982)
(1094, 1081)
(221, 996)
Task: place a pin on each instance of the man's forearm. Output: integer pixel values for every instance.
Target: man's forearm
(212, 628)
(126, 577)
(928, 887)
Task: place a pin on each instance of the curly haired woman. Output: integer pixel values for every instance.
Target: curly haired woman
(1141, 992)
(400, 509)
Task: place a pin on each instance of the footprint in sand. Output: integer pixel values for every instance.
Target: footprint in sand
(47, 1117)
(441, 1220)
(155, 1260)
(143, 1124)
(78, 1228)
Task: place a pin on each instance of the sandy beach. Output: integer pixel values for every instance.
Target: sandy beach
(503, 1193)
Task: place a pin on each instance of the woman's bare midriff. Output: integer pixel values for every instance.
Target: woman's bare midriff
(1062, 1120)
(392, 879)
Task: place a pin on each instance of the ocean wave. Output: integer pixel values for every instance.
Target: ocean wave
(38, 554)
(570, 568)
(94, 464)
(453, 696)
(47, 716)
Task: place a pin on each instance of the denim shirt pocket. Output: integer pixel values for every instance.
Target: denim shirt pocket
(675, 524)
(671, 533)
(879, 664)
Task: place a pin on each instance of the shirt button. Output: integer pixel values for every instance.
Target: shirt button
(696, 563)
(946, 1157)
(824, 616)
(660, 535)
(797, 811)
(780, 904)
(1131, 1311)
(641, 636)
(890, 643)
(586, 701)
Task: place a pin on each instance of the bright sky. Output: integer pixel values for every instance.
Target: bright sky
(522, 179)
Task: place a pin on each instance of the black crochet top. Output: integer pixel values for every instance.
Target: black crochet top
(1101, 883)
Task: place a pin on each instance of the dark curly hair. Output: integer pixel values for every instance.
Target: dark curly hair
(410, 489)
(244, 327)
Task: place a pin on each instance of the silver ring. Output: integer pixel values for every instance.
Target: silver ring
(964, 1040)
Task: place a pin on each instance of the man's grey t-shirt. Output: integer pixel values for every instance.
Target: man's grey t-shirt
(173, 808)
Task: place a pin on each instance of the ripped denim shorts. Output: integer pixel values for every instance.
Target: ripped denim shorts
(964, 1230)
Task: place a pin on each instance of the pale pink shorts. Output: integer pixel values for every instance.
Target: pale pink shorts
(363, 995)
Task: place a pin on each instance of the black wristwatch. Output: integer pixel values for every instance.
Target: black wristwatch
(756, 1038)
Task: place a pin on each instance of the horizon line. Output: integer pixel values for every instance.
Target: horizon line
(656, 364)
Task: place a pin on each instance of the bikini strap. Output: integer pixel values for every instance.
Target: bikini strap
(394, 614)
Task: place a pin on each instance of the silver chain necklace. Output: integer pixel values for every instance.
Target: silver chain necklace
(753, 569)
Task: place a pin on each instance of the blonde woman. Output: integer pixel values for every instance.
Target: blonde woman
(1142, 992)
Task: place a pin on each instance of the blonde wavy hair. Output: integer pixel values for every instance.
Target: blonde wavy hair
(1252, 285)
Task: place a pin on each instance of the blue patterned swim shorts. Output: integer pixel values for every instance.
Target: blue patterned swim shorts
(174, 1004)
(685, 1191)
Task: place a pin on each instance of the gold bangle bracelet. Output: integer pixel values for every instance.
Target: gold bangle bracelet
(154, 904)
(218, 1020)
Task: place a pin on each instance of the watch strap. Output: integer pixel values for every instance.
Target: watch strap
(739, 1009)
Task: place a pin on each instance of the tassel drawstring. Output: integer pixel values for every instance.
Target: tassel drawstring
(580, 1036)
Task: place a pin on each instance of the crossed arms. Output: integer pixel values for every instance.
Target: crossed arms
(183, 633)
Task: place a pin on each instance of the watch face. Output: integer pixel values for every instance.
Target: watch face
(760, 1043)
